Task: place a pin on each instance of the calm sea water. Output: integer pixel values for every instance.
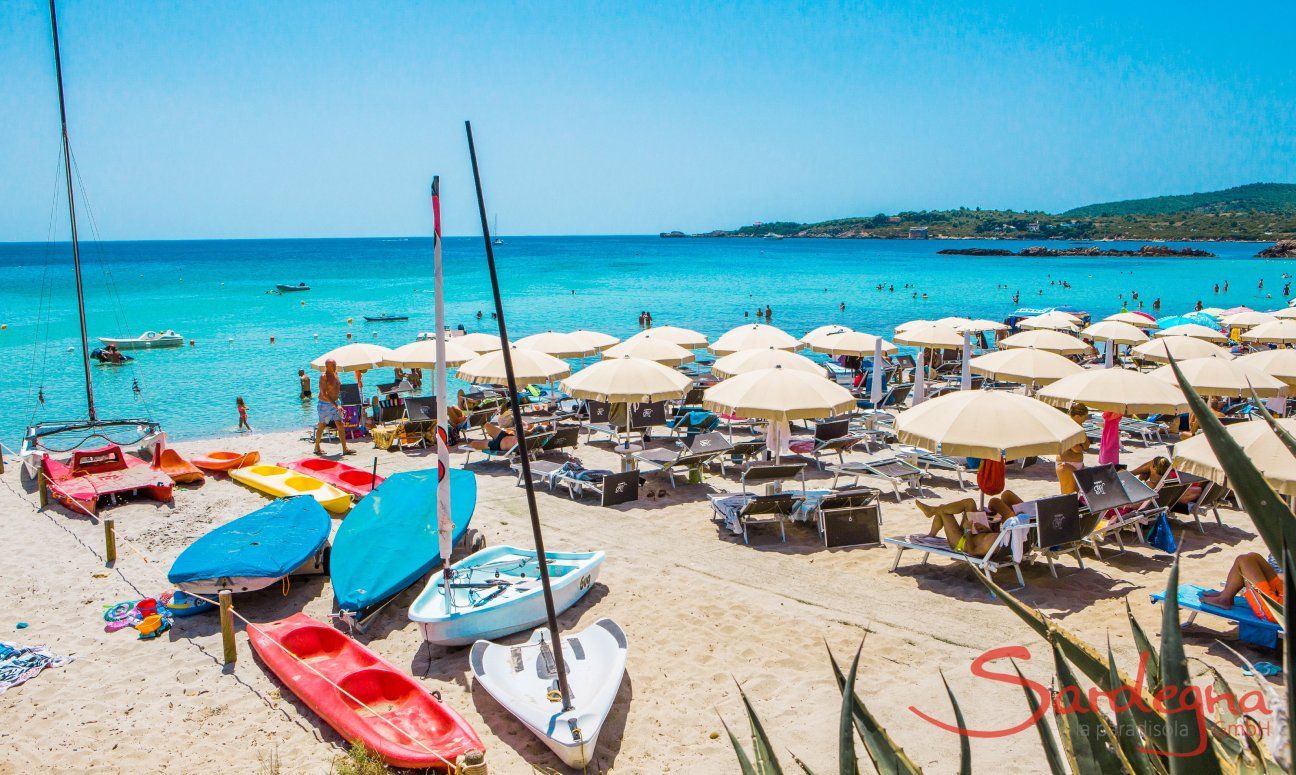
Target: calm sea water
(214, 292)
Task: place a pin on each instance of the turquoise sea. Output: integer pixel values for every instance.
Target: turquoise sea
(215, 292)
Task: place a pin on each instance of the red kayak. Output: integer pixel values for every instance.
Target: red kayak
(348, 479)
(388, 693)
(105, 472)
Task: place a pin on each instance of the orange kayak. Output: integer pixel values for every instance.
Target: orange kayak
(180, 470)
(224, 460)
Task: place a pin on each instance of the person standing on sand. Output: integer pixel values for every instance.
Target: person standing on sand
(328, 409)
(242, 410)
(305, 384)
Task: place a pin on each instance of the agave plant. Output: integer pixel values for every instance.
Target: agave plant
(1140, 739)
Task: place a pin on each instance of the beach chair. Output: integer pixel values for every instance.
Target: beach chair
(420, 421)
(927, 460)
(850, 518)
(739, 454)
(1150, 432)
(772, 473)
(1251, 628)
(996, 558)
(740, 512)
(535, 443)
(891, 469)
(1061, 527)
(831, 437)
(1122, 501)
(564, 437)
(893, 398)
(1210, 498)
(690, 420)
(689, 458)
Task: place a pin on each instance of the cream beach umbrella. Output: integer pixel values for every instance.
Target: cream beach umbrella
(1049, 321)
(911, 324)
(627, 380)
(1115, 390)
(358, 356)
(1248, 319)
(1218, 377)
(755, 336)
(1053, 341)
(650, 348)
(1279, 364)
(1134, 319)
(1195, 331)
(979, 324)
(929, 335)
(1181, 347)
(479, 342)
(1025, 365)
(683, 337)
(1286, 313)
(778, 395)
(1274, 332)
(529, 367)
(988, 424)
(744, 361)
(1115, 331)
(422, 354)
(557, 344)
(855, 343)
(955, 322)
(1258, 442)
(822, 330)
(596, 339)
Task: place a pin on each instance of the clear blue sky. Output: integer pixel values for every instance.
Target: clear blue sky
(230, 119)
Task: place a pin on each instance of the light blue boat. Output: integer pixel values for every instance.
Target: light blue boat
(389, 540)
(497, 592)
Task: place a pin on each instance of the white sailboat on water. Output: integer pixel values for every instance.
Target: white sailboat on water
(495, 230)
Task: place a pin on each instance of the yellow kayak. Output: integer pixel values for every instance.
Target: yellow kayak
(282, 483)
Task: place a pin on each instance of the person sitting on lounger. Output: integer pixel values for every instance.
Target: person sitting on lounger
(978, 530)
(1154, 473)
(1250, 572)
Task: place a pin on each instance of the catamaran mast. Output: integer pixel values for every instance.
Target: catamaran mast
(71, 203)
(524, 456)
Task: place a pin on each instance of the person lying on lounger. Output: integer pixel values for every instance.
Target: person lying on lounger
(978, 530)
(1250, 572)
(498, 439)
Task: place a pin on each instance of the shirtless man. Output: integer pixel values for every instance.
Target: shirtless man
(328, 408)
(305, 384)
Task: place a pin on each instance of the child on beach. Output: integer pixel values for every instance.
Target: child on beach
(242, 410)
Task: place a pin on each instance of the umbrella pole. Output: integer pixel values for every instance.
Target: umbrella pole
(965, 378)
(1109, 354)
(920, 374)
(875, 383)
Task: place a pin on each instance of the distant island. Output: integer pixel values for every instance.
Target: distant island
(1257, 212)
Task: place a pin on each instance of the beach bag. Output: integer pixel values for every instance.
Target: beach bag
(1161, 536)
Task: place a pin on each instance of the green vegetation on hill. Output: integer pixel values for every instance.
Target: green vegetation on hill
(1260, 212)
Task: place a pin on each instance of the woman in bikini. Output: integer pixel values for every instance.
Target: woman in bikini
(977, 531)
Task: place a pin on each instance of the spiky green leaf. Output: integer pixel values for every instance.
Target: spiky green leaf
(1144, 644)
(1188, 746)
(846, 761)
(1092, 741)
(1128, 733)
(887, 756)
(1051, 752)
(744, 762)
(965, 745)
(766, 762)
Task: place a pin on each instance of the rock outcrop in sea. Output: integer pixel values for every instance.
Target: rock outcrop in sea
(1036, 251)
(1281, 249)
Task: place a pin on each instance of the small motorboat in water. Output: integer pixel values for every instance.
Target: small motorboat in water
(167, 338)
(292, 288)
(385, 318)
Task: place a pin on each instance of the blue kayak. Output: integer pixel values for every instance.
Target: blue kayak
(255, 550)
(389, 540)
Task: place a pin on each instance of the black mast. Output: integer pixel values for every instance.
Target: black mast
(71, 201)
(524, 456)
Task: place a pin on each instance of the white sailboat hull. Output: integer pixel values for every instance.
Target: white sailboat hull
(522, 679)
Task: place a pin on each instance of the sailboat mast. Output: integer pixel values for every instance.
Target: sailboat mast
(524, 456)
(445, 524)
(71, 203)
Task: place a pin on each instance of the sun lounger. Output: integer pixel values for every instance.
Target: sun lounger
(1251, 628)
(1150, 432)
(691, 420)
(1061, 527)
(850, 518)
(564, 437)
(769, 473)
(831, 437)
(535, 443)
(927, 460)
(999, 555)
(892, 398)
(611, 488)
(688, 458)
(1121, 500)
(742, 511)
(1210, 498)
(892, 470)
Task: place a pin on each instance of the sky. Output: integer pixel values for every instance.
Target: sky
(317, 119)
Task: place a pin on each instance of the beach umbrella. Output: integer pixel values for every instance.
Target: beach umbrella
(1181, 347)
(1214, 312)
(954, 322)
(821, 330)
(422, 354)
(627, 380)
(979, 324)
(683, 337)
(911, 324)
(744, 361)
(1114, 331)
(1259, 443)
(1286, 313)
(529, 367)
(1247, 319)
(596, 339)
(1274, 332)
(1050, 321)
(754, 336)
(358, 356)
(1238, 310)
(855, 343)
(480, 343)
(778, 395)
(1200, 318)
(1279, 364)
(1139, 319)
(651, 348)
(988, 424)
(929, 335)
(557, 344)
(1194, 330)
(1025, 365)
(1115, 390)
(1053, 341)
(1218, 377)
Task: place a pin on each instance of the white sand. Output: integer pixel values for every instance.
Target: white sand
(700, 609)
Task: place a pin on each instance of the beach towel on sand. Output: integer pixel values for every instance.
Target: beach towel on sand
(20, 663)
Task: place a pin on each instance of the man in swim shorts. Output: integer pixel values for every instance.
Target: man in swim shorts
(305, 384)
(328, 408)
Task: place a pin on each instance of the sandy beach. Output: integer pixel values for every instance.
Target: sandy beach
(701, 611)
